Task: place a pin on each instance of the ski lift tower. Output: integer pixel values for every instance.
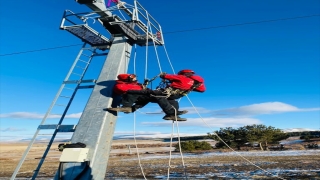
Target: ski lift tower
(127, 25)
(96, 126)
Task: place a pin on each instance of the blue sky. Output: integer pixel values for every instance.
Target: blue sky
(260, 61)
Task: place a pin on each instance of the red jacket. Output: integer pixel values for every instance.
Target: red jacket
(199, 79)
(122, 87)
(179, 81)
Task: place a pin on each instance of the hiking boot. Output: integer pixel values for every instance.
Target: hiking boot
(121, 109)
(182, 112)
(174, 118)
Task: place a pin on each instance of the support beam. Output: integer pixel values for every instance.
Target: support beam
(96, 126)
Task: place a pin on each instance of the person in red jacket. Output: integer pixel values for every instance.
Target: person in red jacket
(124, 83)
(178, 85)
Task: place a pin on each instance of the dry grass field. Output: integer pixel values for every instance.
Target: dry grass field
(154, 157)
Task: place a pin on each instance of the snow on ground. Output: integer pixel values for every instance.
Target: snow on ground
(244, 153)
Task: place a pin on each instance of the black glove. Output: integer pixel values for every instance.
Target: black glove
(146, 82)
(162, 74)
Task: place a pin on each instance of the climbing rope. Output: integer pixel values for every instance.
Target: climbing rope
(165, 49)
(179, 142)
(153, 40)
(146, 65)
(134, 59)
(135, 141)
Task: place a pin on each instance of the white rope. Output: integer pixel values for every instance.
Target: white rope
(153, 40)
(168, 58)
(146, 65)
(169, 163)
(135, 141)
(184, 167)
(134, 59)
(226, 143)
(179, 142)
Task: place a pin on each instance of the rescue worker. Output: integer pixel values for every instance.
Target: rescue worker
(133, 101)
(178, 86)
(124, 83)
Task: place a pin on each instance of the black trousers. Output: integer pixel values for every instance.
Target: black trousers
(168, 105)
(138, 100)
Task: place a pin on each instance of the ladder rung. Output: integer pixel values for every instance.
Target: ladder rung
(86, 87)
(88, 48)
(60, 128)
(71, 82)
(77, 74)
(101, 54)
(89, 81)
(80, 67)
(48, 126)
(78, 81)
(85, 55)
(67, 87)
(65, 96)
(83, 61)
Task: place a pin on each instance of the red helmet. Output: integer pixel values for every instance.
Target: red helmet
(185, 72)
(126, 77)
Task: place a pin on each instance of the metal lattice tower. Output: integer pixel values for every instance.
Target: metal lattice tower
(96, 126)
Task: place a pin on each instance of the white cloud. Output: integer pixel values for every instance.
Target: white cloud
(191, 110)
(137, 132)
(242, 111)
(28, 115)
(298, 130)
(195, 110)
(262, 108)
(12, 129)
(154, 136)
(209, 122)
